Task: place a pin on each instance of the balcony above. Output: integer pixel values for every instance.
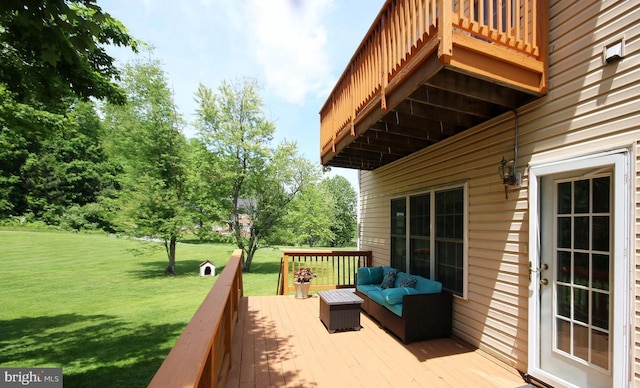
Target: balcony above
(430, 69)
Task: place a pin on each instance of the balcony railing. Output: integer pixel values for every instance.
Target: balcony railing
(461, 34)
(202, 355)
(333, 269)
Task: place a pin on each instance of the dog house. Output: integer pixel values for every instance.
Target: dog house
(207, 269)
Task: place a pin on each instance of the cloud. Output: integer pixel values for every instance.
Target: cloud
(289, 39)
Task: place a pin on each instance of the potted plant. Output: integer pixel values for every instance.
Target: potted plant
(302, 279)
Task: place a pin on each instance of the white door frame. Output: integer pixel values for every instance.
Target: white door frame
(621, 306)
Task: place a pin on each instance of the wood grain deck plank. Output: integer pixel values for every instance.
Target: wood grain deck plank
(284, 343)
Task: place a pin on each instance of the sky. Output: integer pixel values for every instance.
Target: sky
(296, 49)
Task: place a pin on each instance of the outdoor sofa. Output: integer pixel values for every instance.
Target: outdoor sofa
(410, 306)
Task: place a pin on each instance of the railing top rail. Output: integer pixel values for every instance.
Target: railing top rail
(323, 252)
(185, 363)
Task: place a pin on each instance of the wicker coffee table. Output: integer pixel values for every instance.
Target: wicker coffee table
(340, 310)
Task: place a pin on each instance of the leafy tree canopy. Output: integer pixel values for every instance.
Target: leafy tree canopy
(54, 49)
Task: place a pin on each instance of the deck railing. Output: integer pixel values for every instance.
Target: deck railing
(333, 269)
(201, 357)
(404, 32)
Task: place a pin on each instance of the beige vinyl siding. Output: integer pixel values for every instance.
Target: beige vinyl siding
(589, 108)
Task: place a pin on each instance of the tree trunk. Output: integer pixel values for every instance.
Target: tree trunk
(250, 251)
(170, 247)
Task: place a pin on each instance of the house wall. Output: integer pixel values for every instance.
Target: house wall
(590, 108)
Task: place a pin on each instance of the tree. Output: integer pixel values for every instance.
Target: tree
(344, 221)
(146, 139)
(21, 130)
(272, 192)
(55, 49)
(204, 189)
(258, 181)
(52, 52)
(70, 168)
(309, 221)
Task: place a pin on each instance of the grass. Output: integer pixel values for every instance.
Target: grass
(100, 307)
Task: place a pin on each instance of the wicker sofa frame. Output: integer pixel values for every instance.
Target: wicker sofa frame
(424, 316)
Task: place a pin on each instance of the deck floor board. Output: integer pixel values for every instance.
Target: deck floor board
(283, 343)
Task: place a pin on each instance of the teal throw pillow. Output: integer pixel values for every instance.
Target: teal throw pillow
(388, 280)
(407, 281)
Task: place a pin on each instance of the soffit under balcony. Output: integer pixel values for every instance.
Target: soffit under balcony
(445, 104)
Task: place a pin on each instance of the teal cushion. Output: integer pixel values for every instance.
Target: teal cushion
(376, 296)
(389, 280)
(370, 275)
(395, 295)
(395, 308)
(427, 286)
(365, 288)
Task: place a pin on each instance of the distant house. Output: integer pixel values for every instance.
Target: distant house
(245, 206)
(497, 148)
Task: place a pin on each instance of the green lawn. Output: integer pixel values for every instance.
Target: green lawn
(100, 307)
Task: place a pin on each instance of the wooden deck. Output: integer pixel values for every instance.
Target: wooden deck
(280, 341)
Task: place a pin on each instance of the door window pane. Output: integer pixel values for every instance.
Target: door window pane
(564, 301)
(564, 266)
(600, 311)
(564, 198)
(600, 272)
(581, 233)
(564, 232)
(600, 235)
(581, 269)
(581, 196)
(563, 335)
(600, 348)
(581, 342)
(601, 195)
(581, 305)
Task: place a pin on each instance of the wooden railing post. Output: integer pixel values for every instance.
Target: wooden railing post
(445, 31)
(384, 72)
(285, 274)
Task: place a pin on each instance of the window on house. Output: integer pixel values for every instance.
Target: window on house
(398, 233)
(420, 238)
(449, 239)
(433, 228)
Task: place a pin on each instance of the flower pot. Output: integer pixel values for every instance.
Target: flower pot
(302, 290)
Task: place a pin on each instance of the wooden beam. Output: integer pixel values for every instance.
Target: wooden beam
(477, 88)
(449, 100)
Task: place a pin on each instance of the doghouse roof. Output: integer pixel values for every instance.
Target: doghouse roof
(205, 263)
